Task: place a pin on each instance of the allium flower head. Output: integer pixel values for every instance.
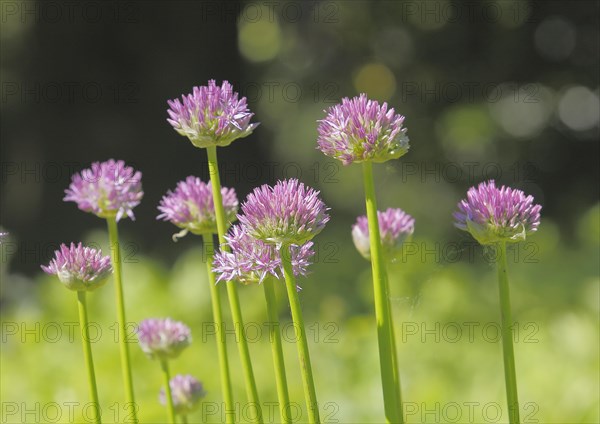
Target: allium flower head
(107, 189)
(494, 214)
(360, 129)
(288, 213)
(79, 267)
(163, 338)
(252, 260)
(186, 392)
(395, 226)
(211, 115)
(191, 207)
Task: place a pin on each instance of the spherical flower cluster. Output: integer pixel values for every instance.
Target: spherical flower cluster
(79, 267)
(107, 189)
(288, 213)
(251, 260)
(191, 207)
(360, 130)
(211, 115)
(395, 226)
(163, 338)
(495, 215)
(186, 393)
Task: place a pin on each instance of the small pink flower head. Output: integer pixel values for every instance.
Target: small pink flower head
(251, 260)
(186, 392)
(360, 130)
(287, 213)
(495, 215)
(107, 189)
(163, 338)
(191, 207)
(395, 227)
(79, 268)
(211, 115)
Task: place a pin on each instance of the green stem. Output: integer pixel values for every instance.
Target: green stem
(115, 251)
(302, 345)
(232, 294)
(164, 364)
(277, 351)
(386, 338)
(87, 353)
(215, 295)
(184, 419)
(507, 337)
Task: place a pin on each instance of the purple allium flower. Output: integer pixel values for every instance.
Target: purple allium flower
(191, 207)
(211, 115)
(395, 226)
(107, 189)
(288, 213)
(251, 260)
(360, 129)
(186, 392)
(79, 267)
(163, 338)
(494, 214)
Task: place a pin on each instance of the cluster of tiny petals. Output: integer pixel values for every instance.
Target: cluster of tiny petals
(107, 189)
(186, 393)
(493, 214)
(360, 130)
(211, 115)
(395, 226)
(251, 260)
(163, 338)
(79, 267)
(191, 207)
(287, 213)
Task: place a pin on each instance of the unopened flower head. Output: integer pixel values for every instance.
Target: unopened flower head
(79, 267)
(395, 227)
(211, 115)
(360, 130)
(251, 260)
(495, 215)
(163, 338)
(186, 392)
(191, 207)
(288, 213)
(107, 189)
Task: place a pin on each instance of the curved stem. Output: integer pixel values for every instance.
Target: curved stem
(167, 382)
(87, 353)
(220, 336)
(115, 252)
(232, 294)
(301, 343)
(510, 376)
(390, 379)
(277, 351)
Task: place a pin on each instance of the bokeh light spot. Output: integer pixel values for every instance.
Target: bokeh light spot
(555, 39)
(376, 80)
(579, 108)
(259, 39)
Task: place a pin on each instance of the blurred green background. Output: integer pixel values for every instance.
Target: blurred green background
(493, 89)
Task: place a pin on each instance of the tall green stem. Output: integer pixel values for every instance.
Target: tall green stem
(232, 294)
(390, 379)
(167, 382)
(510, 376)
(87, 353)
(301, 343)
(215, 295)
(115, 251)
(277, 351)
